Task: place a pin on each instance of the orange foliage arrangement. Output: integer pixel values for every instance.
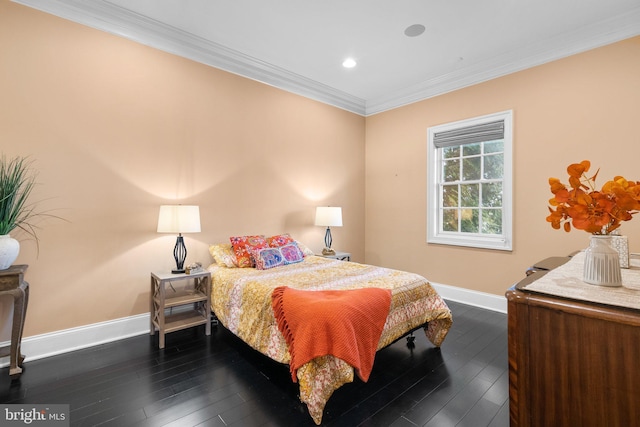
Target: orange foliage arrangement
(584, 207)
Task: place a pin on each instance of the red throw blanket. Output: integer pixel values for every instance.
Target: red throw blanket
(346, 324)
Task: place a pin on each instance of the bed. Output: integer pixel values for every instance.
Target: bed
(242, 301)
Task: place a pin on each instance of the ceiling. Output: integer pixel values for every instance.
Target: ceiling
(299, 45)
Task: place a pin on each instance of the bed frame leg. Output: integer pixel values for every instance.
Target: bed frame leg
(410, 341)
(214, 319)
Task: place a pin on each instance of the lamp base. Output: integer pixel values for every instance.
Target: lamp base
(179, 254)
(328, 251)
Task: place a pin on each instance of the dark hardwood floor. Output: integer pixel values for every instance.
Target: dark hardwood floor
(220, 381)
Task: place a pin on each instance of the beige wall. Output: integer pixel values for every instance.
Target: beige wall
(116, 129)
(582, 107)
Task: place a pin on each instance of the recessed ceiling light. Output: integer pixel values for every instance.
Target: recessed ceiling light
(349, 63)
(414, 30)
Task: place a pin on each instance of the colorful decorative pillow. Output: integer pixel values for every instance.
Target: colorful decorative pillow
(241, 246)
(279, 240)
(267, 258)
(305, 250)
(223, 255)
(291, 253)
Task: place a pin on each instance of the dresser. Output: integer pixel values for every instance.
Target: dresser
(572, 361)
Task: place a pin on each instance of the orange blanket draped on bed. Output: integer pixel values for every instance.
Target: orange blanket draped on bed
(346, 324)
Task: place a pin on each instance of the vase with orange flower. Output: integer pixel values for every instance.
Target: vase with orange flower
(599, 212)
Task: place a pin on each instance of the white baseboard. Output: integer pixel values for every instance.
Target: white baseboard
(51, 344)
(475, 298)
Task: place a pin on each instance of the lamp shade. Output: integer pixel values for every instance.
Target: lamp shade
(179, 219)
(329, 216)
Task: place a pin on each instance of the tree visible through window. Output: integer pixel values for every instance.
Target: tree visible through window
(470, 182)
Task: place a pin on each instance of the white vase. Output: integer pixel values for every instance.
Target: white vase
(9, 249)
(602, 263)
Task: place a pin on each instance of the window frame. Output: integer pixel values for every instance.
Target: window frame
(435, 208)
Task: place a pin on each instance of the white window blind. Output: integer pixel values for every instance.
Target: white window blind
(469, 134)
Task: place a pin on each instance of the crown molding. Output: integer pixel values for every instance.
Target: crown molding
(121, 22)
(586, 38)
(104, 16)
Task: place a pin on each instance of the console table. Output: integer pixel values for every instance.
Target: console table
(572, 362)
(12, 284)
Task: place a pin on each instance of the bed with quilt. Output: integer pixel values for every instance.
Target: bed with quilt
(323, 317)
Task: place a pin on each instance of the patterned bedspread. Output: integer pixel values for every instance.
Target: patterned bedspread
(241, 299)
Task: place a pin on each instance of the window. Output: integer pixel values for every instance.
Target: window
(469, 182)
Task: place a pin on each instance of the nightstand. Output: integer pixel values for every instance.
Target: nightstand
(342, 256)
(179, 301)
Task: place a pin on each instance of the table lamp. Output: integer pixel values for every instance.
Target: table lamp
(179, 219)
(328, 217)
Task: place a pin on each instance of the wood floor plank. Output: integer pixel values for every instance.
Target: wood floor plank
(219, 381)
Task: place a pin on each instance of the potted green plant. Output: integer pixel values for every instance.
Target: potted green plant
(17, 180)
